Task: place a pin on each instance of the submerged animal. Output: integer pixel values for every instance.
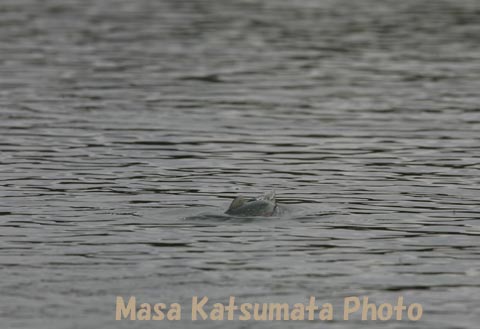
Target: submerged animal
(263, 206)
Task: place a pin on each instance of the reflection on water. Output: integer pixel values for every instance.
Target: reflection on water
(128, 127)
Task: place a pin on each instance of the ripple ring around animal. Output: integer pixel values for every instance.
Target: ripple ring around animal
(265, 206)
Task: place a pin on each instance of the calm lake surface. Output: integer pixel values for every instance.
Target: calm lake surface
(127, 127)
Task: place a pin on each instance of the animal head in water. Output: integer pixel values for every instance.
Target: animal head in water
(263, 206)
(238, 202)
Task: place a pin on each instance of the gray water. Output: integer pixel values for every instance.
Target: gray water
(127, 127)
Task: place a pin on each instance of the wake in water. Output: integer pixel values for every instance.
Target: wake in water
(266, 207)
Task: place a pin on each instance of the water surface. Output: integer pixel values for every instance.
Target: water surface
(127, 127)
